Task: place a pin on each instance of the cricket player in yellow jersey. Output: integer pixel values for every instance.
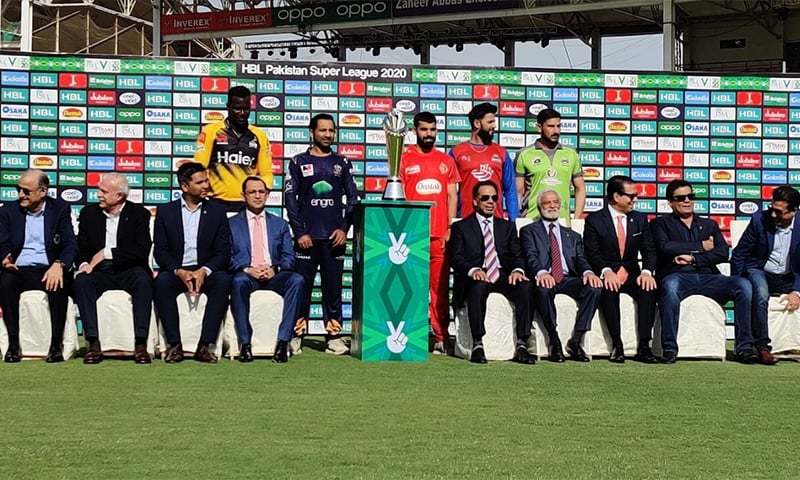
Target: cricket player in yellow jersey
(233, 150)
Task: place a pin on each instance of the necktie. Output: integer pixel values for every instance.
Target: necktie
(621, 235)
(622, 274)
(556, 270)
(257, 242)
(492, 264)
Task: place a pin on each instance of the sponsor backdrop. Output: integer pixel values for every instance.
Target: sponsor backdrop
(734, 137)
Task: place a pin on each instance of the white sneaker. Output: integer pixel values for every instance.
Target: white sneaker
(337, 347)
(438, 349)
(296, 346)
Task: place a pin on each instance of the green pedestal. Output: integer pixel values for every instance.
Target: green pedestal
(390, 281)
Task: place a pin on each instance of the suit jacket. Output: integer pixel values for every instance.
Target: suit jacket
(536, 247)
(669, 236)
(279, 241)
(60, 242)
(756, 244)
(467, 251)
(602, 249)
(133, 236)
(213, 237)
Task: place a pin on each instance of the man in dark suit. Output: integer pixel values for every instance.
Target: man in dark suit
(192, 248)
(486, 257)
(262, 258)
(37, 249)
(689, 249)
(554, 256)
(614, 237)
(767, 255)
(114, 254)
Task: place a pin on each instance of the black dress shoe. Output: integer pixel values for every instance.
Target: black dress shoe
(645, 355)
(203, 355)
(246, 353)
(478, 355)
(141, 356)
(94, 354)
(522, 356)
(575, 352)
(617, 354)
(174, 354)
(748, 357)
(669, 357)
(13, 355)
(556, 353)
(55, 355)
(281, 352)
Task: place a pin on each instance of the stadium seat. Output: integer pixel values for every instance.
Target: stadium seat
(190, 314)
(701, 329)
(265, 317)
(35, 328)
(566, 309)
(784, 326)
(599, 342)
(115, 324)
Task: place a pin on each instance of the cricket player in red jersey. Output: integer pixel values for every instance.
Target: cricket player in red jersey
(481, 159)
(430, 175)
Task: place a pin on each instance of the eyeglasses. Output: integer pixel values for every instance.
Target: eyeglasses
(683, 198)
(632, 196)
(486, 198)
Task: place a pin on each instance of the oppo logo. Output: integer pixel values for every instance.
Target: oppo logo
(130, 98)
(311, 14)
(300, 15)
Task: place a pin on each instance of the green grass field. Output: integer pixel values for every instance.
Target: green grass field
(335, 417)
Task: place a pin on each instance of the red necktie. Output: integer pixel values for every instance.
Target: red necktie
(556, 270)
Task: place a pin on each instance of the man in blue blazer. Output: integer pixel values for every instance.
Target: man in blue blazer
(767, 256)
(192, 248)
(262, 258)
(554, 257)
(37, 250)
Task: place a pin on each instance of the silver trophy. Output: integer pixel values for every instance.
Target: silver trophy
(395, 128)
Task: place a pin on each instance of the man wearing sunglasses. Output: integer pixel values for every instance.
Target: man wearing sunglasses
(767, 256)
(232, 150)
(614, 238)
(37, 248)
(689, 249)
(486, 257)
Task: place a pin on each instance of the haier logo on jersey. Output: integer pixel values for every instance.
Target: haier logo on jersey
(237, 158)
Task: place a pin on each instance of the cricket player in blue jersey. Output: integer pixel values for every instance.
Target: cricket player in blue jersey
(320, 195)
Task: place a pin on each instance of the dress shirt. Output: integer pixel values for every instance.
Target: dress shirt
(112, 224)
(778, 261)
(191, 224)
(33, 252)
(263, 215)
(481, 223)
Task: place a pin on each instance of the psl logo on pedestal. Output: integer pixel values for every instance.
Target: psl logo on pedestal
(398, 250)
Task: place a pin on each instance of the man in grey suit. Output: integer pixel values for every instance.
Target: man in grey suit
(554, 257)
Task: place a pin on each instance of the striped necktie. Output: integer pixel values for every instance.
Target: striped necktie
(491, 262)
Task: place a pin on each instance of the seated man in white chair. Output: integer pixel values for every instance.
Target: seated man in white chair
(767, 256)
(114, 254)
(485, 253)
(689, 249)
(37, 249)
(192, 248)
(554, 256)
(262, 258)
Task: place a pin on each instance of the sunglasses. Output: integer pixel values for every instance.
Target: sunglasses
(24, 190)
(486, 198)
(683, 198)
(632, 196)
